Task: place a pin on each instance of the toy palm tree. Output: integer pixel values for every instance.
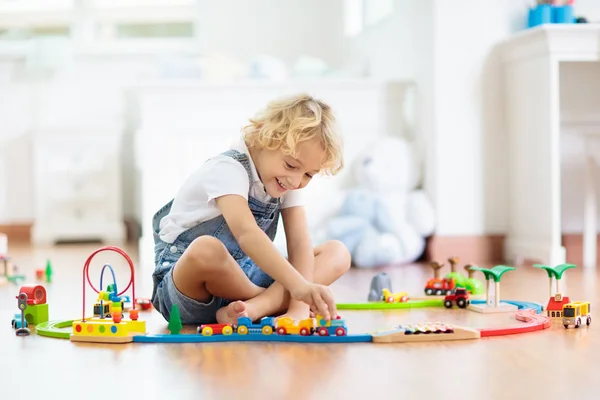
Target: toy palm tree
(556, 273)
(453, 261)
(495, 274)
(472, 284)
(459, 278)
(436, 266)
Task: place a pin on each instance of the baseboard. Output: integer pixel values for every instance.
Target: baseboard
(475, 249)
(21, 233)
(481, 249)
(573, 243)
(17, 232)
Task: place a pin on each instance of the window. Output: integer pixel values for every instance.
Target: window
(360, 14)
(98, 20)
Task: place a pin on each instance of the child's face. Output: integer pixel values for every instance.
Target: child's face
(280, 173)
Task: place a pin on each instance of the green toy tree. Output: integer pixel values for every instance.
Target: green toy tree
(175, 320)
(495, 274)
(457, 276)
(471, 284)
(48, 271)
(556, 273)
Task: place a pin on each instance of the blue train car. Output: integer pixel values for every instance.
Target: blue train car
(245, 326)
(332, 327)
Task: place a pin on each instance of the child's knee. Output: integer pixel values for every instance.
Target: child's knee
(207, 252)
(340, 256)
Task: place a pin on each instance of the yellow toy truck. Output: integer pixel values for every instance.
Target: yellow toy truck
(576, 313)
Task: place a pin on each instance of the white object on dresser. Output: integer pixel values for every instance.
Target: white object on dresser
(179, 124)
(77, 186)
(532, 60)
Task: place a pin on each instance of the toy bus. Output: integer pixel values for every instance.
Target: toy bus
(576, 313)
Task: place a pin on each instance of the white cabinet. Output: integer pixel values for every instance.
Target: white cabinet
(532, 62)
(77, 186)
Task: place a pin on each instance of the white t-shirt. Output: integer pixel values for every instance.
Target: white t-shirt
(194, 203)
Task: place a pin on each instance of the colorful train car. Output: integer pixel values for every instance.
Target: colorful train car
(335, 327)
(266, 327)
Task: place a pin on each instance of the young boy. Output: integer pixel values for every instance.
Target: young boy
(214, 251)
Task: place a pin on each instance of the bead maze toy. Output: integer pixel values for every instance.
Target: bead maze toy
(107, 325)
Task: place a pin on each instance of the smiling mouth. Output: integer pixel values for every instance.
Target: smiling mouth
(281, 185)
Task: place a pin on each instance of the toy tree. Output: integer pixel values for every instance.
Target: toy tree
(175, 320)
(556, 273)
(459, 278)
(453, 261)
(436, 266)
(472, 284)
(48, 271)
(495, 274)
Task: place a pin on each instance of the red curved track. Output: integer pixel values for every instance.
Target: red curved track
(533, 322)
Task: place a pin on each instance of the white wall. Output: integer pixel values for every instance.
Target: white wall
(242, 30)
(449, 49)
(284, 28)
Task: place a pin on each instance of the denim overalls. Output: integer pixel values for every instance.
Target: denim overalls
(165, 294)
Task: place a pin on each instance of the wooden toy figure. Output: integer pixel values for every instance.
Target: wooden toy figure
(22, 303)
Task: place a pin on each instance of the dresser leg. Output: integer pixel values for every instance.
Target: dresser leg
(590, 214)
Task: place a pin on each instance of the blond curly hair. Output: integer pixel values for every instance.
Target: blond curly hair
(286, 122)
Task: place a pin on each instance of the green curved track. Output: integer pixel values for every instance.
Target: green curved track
(55, 329)
(391, 306)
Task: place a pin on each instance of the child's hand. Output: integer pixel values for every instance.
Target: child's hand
(318, 297)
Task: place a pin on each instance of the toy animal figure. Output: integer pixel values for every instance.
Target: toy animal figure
(386, 217)
(379, 282)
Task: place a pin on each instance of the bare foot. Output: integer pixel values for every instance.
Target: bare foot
(298, 313)
(230, 313)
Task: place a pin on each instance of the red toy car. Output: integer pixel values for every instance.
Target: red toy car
(144, 303)
(460, 296)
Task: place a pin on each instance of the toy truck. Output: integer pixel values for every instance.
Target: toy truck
(460, 296)
(439, 286)
(576, 313)
(245, 326)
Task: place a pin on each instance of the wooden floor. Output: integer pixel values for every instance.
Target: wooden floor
(551, 364)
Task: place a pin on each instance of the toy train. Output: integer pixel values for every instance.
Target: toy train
(283, 326)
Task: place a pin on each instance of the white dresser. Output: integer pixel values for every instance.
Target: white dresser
(533, 60)
(77, 184)
(77, 162)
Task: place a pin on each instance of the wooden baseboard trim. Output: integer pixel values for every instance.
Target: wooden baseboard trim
(490, 248)
(17, 232)
(475, 249)
(21, 233)
(573, 243)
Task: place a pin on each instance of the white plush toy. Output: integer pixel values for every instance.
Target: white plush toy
(386, 219)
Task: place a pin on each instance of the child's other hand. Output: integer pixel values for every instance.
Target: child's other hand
(318, 297)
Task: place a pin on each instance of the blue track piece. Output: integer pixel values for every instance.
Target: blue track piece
(195, 338)
(520, 304)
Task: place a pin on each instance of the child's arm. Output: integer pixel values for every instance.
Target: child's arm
(257, 245)
(299, 246)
